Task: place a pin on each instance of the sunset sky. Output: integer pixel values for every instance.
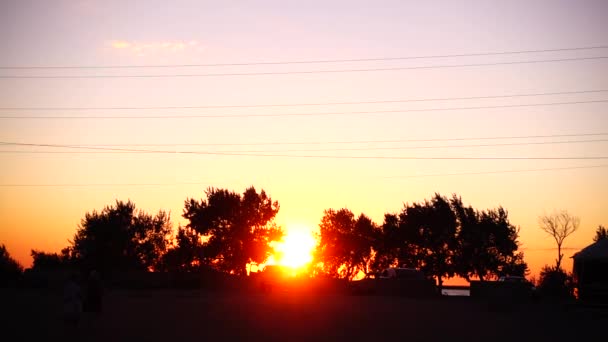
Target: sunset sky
(327, 156)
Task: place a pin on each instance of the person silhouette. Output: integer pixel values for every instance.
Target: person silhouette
(94, 293)
(72, 301)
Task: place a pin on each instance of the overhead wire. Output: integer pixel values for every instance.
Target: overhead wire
(202, 116)
(501, 171)
(318, 142)
(200, 183)
(306, 104)
(301, 72)
(325, 149)
(305, 156)
(476, 54)
(317, 104)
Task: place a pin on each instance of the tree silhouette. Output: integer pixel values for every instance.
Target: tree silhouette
(345, 244)
(121, 238)
(391, 246)
(600, 234)
(10, 269)
(237, 228)
(43, 261)
(439, 236)
(559, 225)
(487, 243)
(187, 253)
(432, 226)
(514, 265)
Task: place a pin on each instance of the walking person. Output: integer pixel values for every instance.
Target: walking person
(94, 300)
(72, 302)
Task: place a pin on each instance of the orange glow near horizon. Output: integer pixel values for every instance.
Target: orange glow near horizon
(295, 250)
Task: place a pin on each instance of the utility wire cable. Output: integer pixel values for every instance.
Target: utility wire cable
(272, 73)
(325, 149)
(501, 171)
(305, 104)
(303, 156)
(101, 184)
(199, 183)
(346, 141)
(526, 249)
(133, 66)
(227, 116)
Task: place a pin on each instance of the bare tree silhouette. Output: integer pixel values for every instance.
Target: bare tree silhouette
(559, 225)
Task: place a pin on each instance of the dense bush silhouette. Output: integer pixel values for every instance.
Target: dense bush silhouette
(10, 269)
(555, 283)
(43, 261)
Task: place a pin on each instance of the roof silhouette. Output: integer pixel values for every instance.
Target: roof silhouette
(598, 250)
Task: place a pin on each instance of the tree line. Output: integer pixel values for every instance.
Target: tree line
(440, 236)
(227, 231)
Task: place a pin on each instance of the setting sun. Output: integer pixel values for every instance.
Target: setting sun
(295, 250)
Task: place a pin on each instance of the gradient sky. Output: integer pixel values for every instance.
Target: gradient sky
(98, 33)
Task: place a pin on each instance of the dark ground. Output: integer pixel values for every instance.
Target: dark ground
(199, 316)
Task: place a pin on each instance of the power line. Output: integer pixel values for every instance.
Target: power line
(550, 248)
(271, 73)
(102, 184)
(305, 104)
(199, 183)
(352, 141)
(113, 117)
(301, 156)
(302, 62)
(502, 171)
(324, 149)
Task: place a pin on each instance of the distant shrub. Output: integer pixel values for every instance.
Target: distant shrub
(10, 269)
(555, 282)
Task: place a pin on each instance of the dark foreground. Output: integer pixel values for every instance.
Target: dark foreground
(199, 316)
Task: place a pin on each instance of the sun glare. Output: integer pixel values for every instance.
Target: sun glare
(296, 248)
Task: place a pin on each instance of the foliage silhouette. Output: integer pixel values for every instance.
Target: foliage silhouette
(441, 236)
(121, 238)
(345, 244)
(555, 282)
(391, 246)
(186, 255)
(433, 226)
(237, 229)
(228, 231)
(514, 265)
(10, 269)
(559, 225)
(600, 234)
(487, 243)
(43, 261)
